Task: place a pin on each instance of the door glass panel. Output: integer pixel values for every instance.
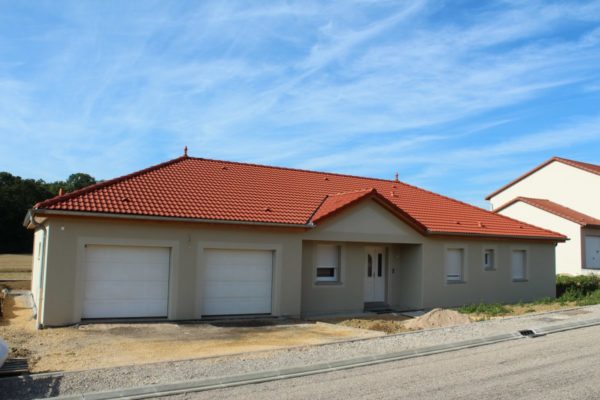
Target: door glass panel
(369, 265)
(379, 264)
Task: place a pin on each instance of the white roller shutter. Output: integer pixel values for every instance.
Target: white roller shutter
(237, 282)
(126, 281)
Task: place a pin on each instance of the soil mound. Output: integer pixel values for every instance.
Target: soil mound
(438, 318)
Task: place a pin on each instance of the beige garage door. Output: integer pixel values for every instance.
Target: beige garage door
(237, 282)
(126, 281)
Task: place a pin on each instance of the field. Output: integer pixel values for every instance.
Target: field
(15, 271)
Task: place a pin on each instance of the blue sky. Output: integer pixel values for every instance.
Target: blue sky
(458, 97)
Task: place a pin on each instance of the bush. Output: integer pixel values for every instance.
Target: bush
(590, 299)
(571, 288)
(488, 309)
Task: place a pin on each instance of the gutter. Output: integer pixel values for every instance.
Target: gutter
(33, 212)
(40, 305)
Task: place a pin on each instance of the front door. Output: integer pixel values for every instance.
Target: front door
(375, 275)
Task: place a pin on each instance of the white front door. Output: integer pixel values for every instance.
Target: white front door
(375, 274)
(592, 251)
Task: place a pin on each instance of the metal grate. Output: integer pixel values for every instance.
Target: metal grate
(14, 366)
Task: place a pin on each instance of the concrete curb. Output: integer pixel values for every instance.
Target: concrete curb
(287, 373)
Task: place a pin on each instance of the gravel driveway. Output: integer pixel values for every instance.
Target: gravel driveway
(44, 385)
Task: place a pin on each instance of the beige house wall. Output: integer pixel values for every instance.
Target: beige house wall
(568, 254)
(414, 263)
(566, 185)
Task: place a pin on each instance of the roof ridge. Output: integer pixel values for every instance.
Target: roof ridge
(294, 169)
(109, 182)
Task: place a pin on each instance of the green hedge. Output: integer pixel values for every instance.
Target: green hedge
(575, 287)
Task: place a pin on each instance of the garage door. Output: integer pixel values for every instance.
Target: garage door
(126, 281)
(592, 251)
(237, 282)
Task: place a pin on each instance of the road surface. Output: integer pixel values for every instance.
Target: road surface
(558, 366)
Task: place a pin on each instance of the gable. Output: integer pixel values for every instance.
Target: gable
(367, 221)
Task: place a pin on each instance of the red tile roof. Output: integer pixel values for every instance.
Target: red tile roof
(202, 189)
(557, 209)
(593, 168)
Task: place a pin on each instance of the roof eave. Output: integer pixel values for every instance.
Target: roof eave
(496, 236)
(33, 212)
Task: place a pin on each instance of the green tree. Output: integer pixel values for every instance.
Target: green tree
(17, 195)
(78, 181)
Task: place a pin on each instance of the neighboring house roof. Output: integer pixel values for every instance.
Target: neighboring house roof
(557, 209)
(211, 190)
(592, 168)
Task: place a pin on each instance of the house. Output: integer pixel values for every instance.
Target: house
(193, 237)
(564, 196)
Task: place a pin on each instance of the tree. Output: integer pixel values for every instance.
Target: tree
(17, 195)
(78, 181)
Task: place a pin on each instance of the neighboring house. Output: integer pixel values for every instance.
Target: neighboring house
(563, 196)
(192, 238)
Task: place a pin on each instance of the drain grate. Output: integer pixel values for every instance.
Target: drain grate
(528, 333)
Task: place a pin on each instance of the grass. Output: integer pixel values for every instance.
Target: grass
(491, 310)
(570, 298)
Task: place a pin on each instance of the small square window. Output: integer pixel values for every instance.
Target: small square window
(489, 262)
(328, 263)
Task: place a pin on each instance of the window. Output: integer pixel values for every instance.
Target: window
(592, 252)
(488, 259)
(519, 265)
(328, 263)
(455, 265)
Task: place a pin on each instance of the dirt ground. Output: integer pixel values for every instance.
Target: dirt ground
(386, 323)
(107, 345)
(15, 263)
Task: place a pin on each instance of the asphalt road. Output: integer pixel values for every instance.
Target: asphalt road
(559, 366)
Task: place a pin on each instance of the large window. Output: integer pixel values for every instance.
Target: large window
(519, 265)
(455, 259)
(328, 263)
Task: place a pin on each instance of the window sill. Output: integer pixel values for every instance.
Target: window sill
(328, 283)
(520, 280)
(489, 269)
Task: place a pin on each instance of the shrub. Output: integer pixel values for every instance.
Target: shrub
(487, 309)
(575, 287)
(590, 299)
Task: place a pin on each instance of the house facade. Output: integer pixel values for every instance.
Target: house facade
(195, 238)
(561, 195)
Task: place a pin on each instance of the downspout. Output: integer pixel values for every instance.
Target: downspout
(40, 305)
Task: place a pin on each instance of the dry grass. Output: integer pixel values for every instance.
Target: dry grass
(15, 262)
(108, 345)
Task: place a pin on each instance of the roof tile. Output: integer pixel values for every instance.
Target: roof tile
(198, 188)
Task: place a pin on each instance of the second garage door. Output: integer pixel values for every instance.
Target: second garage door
(237, 282)
(126, 281)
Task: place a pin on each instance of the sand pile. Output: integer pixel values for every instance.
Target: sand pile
(437, 318)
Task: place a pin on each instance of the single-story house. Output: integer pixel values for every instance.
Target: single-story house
(193, 237)
(561, 195)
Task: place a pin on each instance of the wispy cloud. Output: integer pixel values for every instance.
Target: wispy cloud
(369, 87)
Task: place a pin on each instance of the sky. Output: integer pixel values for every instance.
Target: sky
(458, 97)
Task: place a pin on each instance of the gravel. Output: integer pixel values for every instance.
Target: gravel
(48, 385)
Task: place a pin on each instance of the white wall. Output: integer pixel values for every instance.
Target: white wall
(561, 183)
(568, 254)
